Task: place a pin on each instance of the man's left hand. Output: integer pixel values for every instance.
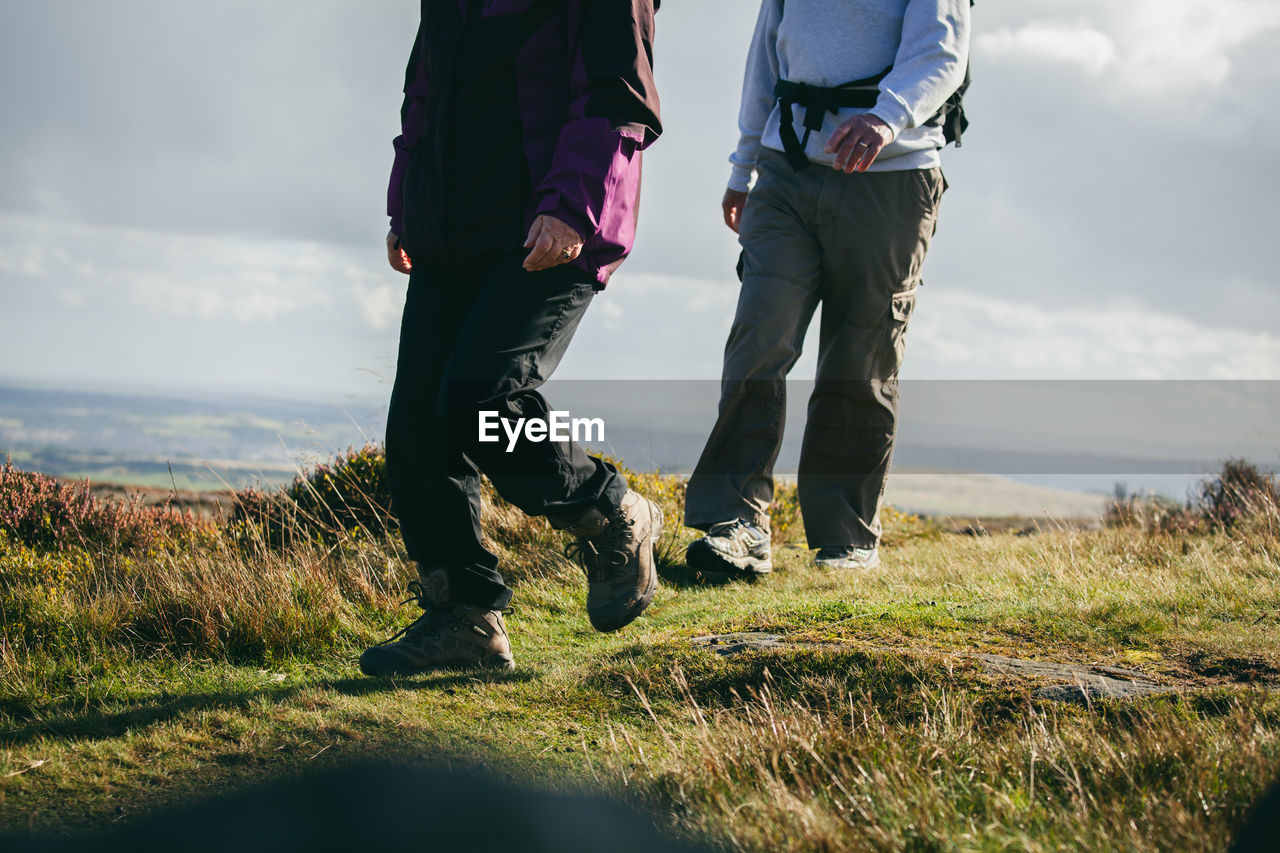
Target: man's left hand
(858, 142)
(552, 242)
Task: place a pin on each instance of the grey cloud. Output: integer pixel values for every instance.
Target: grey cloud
(235, 117)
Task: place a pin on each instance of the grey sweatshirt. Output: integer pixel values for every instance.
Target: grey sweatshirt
(830, 42)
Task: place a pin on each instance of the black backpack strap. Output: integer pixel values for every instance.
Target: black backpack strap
(818, 101)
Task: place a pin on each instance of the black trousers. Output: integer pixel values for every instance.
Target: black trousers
(482, 336)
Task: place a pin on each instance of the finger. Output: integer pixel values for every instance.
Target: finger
(869, 154)
(542, 252)
(538, 249)
(566, 250)
(535, 232)
(730, 212)
(567, 255)
(561, 254)
(845, 155)
(855, 157)
(858, 154)
(396, 258)
(838, 136)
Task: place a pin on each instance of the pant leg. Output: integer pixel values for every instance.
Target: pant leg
(875, 237)
(435, 489)
(781, 279)
(514, 335)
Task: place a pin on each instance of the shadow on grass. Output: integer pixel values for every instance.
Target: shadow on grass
(675, 573)
(101, 724)
(383, 806)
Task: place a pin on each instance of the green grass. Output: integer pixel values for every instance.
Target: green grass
(145, 680)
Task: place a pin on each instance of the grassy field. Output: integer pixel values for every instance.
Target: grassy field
(198, 659)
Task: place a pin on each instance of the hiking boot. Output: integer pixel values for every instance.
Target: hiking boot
(616, 551)
(848, 558)
(445, 636)
(731, 549)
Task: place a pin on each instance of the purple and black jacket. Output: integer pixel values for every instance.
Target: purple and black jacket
(516, 108)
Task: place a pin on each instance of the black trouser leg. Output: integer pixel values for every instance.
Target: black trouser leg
(483, 339)
(433, 487)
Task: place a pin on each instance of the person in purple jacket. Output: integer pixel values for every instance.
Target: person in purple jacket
(513, 198)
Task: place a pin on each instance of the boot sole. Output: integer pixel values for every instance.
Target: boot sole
(651, 586)
(711, 566)
(499, 663)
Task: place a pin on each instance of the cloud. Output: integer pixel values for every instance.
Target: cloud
(238, 280)
(1153, 46)
(1052, 41)
(963, 334)
(233, 187)
(381, 305)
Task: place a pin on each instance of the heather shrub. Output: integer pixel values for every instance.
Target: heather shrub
(42, 513)
(1239, 492)
(1152, 513)
(347, 498)
(1240, 495)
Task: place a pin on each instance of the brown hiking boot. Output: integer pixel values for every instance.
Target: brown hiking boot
(445, 636)
(616, 550)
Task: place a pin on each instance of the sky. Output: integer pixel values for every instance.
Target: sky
(192, 198)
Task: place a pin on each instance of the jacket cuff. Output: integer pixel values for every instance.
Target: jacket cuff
(893, 112)
(740, 178)
(553, 204)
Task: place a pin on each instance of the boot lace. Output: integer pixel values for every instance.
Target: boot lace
(433, 618)
(601, 557)
(726, 529)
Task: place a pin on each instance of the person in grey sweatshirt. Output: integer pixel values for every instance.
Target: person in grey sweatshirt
(842, 123)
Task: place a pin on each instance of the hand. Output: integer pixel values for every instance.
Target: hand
(552, 242)
(732, 204)
(858, 142)
(397, 256)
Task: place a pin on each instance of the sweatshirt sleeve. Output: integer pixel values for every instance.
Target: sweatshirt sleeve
(614, 113)
(757, 94)
(929, 65)
(411, 116)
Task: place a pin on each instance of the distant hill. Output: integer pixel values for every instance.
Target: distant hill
(989, 449)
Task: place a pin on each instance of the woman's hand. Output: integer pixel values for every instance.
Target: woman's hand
(552, 243)
(397, 256)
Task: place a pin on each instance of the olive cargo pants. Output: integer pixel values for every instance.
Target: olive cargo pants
(854, 243)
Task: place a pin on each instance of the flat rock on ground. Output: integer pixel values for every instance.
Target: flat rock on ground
(1079, 683)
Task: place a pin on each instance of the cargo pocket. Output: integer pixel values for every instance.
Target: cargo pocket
(902, 307)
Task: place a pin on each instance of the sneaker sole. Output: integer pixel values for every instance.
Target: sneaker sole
(838, 566)
(713, 567)
(657, 522)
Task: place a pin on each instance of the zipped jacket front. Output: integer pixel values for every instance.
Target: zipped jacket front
(585, 107)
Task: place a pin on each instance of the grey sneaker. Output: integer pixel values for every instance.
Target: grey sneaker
(848, 558)
(445, 636)
(616, 551)
(731, 549)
